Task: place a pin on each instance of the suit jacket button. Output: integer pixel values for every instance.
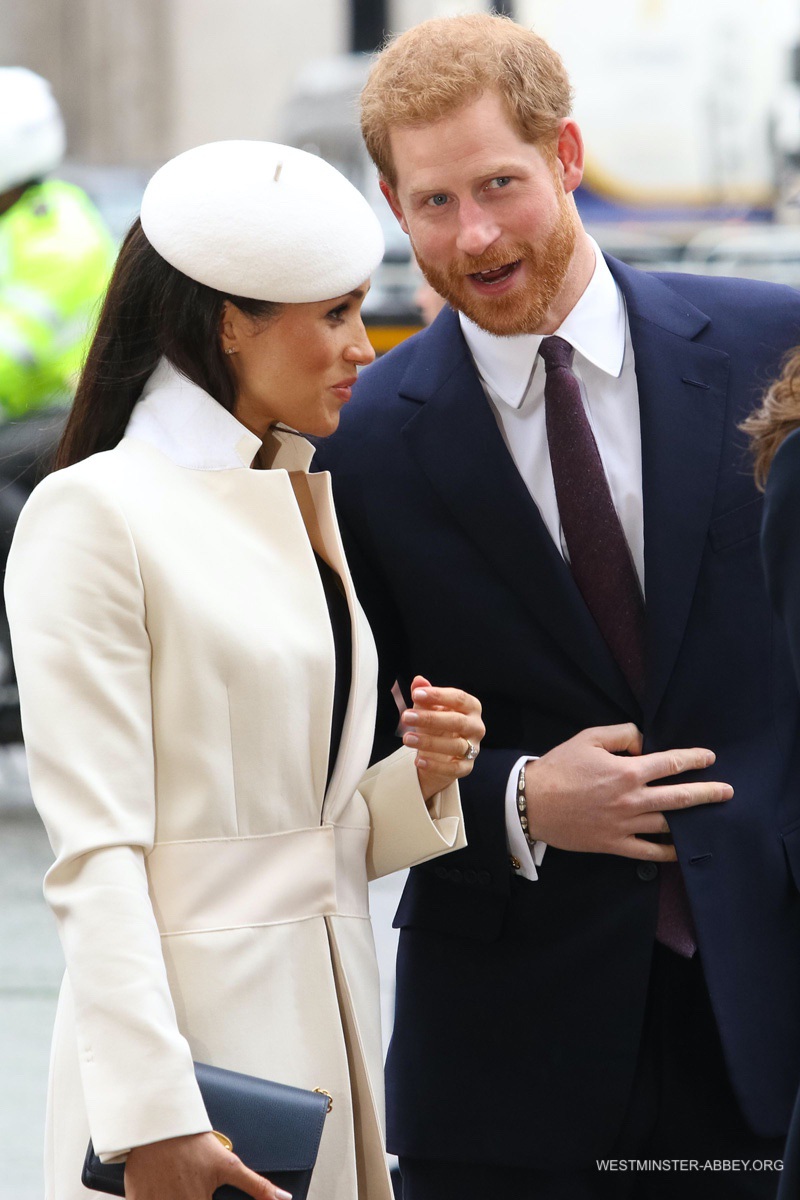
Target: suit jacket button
(484, 878)
(454, 875)
(470, 876)
(441, 872)
(647, 871)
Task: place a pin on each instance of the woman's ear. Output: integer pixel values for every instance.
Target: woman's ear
(228, 329)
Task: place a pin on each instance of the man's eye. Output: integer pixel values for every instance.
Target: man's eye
(438, 200)
(500, 181)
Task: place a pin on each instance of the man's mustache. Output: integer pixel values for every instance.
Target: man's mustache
(466, 264)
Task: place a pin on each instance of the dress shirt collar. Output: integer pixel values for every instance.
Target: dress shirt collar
(595, 327)
(193, 430)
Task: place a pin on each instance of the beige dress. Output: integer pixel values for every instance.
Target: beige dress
(176, 671)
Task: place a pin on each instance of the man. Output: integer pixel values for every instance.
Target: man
(550, 504)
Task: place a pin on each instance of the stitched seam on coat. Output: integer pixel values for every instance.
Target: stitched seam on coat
(262, 924)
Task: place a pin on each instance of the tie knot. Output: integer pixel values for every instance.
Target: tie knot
(556, 352)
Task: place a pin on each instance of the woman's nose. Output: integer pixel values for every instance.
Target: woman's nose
(361, 351)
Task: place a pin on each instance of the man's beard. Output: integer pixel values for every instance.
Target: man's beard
(521, 310)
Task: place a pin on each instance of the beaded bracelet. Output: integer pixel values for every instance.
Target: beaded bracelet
(522, 806)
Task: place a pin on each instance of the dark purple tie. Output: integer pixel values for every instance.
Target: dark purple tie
(603, 569)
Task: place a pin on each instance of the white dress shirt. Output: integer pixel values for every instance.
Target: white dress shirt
(513, 375)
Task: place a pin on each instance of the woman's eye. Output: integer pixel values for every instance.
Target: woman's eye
(438, 200)
(336, 314)
(500, 181)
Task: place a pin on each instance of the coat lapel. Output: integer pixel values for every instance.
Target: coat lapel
(682, 387)
(682, 399)
(455, 439)
(359, 723)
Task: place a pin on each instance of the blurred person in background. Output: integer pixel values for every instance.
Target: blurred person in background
(56, 257)
(548, 495)
(198, 690)
(55, 252)
(775, 432)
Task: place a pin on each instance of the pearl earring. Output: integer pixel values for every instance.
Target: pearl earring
(230, 350)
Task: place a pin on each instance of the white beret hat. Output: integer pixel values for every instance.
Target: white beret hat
(262, 220)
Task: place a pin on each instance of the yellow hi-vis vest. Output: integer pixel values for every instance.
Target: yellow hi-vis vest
(56, 256)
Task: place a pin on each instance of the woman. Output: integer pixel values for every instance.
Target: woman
(198, 690)
(774, 430)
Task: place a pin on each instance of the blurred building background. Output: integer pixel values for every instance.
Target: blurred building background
(690, 112)
(142, 80)
(677, 98)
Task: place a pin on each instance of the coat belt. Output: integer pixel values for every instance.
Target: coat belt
(234, 883)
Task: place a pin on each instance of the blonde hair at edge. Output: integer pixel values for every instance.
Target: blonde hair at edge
(439, 66)
(778, 416)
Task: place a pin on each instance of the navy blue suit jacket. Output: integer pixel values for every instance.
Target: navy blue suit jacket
(780, 541)
(520, 1005)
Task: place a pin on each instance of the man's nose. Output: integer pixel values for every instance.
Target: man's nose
(477, 230)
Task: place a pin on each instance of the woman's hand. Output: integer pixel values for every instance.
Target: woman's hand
(442, 726)
(191, 1168)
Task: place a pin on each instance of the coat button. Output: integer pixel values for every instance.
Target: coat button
(454, 875)
(470, 876)
(484, 878)
(647, 871)
(441, 872)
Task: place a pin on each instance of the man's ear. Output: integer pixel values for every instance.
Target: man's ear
(394, 205)
(569, 150)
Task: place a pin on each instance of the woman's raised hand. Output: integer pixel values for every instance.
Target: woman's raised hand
(445, 728)
(191, 1168)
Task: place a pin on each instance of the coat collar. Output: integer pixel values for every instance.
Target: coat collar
(187, 425)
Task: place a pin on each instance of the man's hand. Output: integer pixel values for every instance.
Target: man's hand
(591, 794)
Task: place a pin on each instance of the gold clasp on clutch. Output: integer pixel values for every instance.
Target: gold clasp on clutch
(226, 1141)
(322, 1092)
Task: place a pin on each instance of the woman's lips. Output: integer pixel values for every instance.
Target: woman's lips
(344, 388)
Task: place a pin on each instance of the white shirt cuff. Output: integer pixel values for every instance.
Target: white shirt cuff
(518, 845)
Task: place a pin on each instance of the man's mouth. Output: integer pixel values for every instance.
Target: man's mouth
(497, 275)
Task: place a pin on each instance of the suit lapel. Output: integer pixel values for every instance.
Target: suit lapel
(455, 439)
(682, 399)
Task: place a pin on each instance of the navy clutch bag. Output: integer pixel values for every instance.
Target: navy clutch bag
(273, 1128)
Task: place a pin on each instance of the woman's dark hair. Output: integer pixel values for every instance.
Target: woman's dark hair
(151, 311)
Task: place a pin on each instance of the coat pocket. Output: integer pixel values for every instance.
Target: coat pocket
(736, 525)
(456, 903)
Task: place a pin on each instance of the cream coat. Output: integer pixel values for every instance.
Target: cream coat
(176, 670)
